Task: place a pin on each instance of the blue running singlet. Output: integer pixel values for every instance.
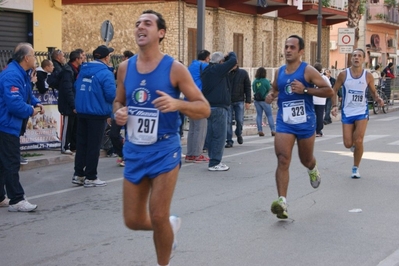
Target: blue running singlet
(296, 113)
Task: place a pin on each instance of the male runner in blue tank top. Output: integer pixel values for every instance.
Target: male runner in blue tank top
(147, 99)
(355, 113)
(295, 118)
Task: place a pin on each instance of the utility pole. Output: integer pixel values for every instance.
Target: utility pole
(200, 25)
(319, 21)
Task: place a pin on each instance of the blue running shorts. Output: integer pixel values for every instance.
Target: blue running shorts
(139, 165)
(352, 119)
(298, 133)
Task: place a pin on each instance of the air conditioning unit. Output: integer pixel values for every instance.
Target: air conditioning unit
(391, 43)
(333, 45)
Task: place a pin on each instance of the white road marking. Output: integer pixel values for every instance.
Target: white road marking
(394, 143)
(376, 156)
(387, 119)
(121, 178)
(368, 138)
(391, 260)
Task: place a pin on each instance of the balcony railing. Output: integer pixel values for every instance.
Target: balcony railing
(383, 13)
(334, 4)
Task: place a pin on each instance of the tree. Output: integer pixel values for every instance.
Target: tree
(355, 10)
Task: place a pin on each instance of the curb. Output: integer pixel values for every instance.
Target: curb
(54, 158)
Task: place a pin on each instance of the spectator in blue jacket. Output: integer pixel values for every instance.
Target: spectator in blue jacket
(95, 91)
(16, 104)
(198, 127)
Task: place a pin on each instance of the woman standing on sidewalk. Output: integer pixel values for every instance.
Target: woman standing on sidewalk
(261, 87)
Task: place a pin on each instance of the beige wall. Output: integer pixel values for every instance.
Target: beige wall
(263, 36)
(47, 24)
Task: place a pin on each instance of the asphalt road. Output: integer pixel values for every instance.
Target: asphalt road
(226, 215)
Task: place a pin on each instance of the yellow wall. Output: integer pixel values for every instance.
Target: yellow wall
(47, 24)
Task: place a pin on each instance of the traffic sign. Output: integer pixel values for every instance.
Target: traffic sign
(107, 31)
(345, 49)
(346, 36)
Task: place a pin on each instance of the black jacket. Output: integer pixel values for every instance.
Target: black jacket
(66, 90)
(41, 84)
(215, 83)
(240, 85)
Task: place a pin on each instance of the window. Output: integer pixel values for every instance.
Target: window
(238, 47)
(191, 45)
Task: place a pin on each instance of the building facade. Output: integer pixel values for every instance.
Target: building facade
(256, 34)
(378, 32)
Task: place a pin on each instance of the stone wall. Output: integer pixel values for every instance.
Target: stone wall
(263, 36)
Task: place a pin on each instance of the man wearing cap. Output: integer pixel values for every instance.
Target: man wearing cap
(95, 91)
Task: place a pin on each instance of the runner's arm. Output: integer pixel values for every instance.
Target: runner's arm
(196, 106)
(119, 109)
(323, 88)
(273, 93)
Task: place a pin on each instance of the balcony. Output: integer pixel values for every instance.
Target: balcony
(334, 13)
(383, 15)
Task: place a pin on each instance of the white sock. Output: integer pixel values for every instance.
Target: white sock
(283, 199)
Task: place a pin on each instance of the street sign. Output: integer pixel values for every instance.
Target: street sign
(346, 49)
(346, 36)
(107, 31)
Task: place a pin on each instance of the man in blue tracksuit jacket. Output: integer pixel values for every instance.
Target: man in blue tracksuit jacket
(16, 104)
(95, 92)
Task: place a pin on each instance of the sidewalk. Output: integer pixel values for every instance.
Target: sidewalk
(55, 157)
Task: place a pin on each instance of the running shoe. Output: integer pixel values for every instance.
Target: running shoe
(201, 159)
(22, 206)
(5, 202)
(94, 183)
(314, 177)
(219, 167)
(78, 180)
(189, 159)
(69, 152)
(279, 208)
(355, 172)
(23, 160)
(120, 162)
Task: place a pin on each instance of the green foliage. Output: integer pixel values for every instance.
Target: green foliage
(326, 3)
(390, 3)
(31, 154)
(362, 7)
(380, 16)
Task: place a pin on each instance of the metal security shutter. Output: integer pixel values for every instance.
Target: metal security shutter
(14, 28)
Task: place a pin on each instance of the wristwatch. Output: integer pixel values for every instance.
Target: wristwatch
(305, 90)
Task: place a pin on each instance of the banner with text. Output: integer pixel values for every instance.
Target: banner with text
(42, 131)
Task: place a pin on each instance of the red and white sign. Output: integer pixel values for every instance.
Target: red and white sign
(346, 36)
